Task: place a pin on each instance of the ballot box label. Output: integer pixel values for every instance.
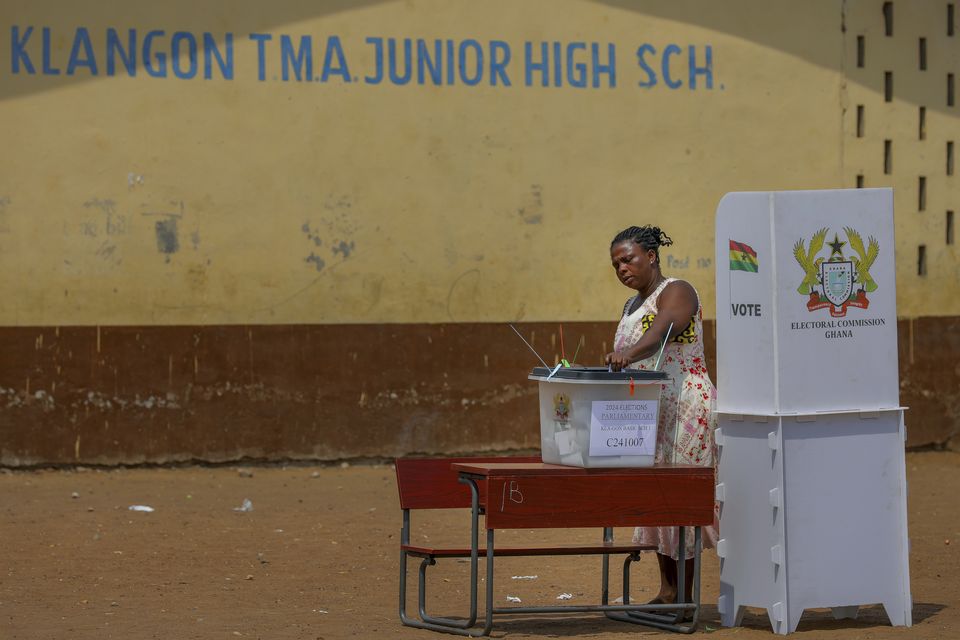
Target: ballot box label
(623, 428)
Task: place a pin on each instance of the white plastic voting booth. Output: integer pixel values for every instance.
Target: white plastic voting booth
(811, 473)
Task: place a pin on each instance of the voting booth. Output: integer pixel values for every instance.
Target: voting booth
(811, 473)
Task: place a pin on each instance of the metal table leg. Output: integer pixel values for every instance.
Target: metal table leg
(450, 625)
(672, 614)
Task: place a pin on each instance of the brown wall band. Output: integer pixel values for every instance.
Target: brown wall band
(133, 395)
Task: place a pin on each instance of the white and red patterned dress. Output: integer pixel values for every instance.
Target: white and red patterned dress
(687, 409)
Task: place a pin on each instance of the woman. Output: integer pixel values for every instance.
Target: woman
(687, 421)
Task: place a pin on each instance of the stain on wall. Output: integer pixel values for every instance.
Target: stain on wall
(532, 211)
(5, 203)
(105, 226)
(168, 242)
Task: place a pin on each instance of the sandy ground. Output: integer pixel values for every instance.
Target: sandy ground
(317, 558)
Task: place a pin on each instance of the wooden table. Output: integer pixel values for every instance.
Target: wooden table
(539, 495)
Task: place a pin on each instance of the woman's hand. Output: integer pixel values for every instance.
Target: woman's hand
(618, 360)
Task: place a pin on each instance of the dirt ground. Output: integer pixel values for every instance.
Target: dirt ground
(317, 558)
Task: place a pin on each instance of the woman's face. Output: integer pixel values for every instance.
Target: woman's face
(634, 265)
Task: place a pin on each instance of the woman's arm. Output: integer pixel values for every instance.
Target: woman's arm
(677, 304)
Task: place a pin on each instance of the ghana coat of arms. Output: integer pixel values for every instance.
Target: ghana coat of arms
(836, 281)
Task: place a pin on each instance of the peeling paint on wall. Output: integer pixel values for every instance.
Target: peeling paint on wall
(344, 248)
(311, 234)
(336, 224)
(317, 262)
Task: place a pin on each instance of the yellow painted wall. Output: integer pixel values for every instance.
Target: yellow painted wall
(345, 202)
(897, 122)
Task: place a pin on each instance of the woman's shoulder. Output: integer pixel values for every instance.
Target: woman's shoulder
(677, 285)
(677, 291)
(627, 304)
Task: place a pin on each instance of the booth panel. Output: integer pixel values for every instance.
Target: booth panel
(745, 283)
(836, 320)
(845, 509)
(749, 472)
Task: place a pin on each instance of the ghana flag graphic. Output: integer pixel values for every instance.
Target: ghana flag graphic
(742, 257)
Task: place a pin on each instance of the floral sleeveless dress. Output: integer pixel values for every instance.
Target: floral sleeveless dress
(687, 409)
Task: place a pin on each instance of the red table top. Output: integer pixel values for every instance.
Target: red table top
(538, 495)
(545, 469)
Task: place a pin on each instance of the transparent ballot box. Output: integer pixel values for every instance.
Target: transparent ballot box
(592, 417)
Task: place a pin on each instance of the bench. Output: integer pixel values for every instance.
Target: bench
(450, 483)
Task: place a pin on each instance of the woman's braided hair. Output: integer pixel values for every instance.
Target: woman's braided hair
(647, 236)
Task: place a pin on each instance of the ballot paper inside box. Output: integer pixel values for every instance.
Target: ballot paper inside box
(592, 417)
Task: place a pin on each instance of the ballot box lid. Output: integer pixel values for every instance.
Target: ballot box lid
(597, 374)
